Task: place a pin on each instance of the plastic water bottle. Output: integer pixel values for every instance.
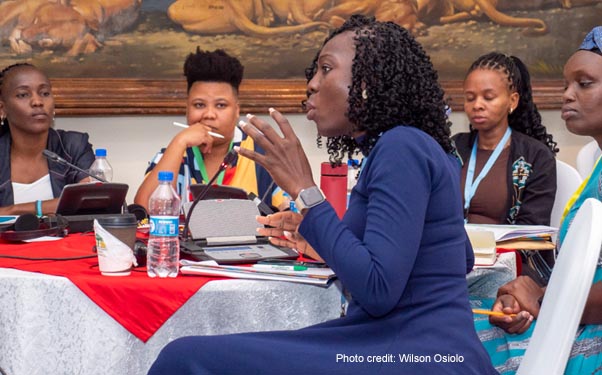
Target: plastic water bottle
(101, 166)
(163, 250)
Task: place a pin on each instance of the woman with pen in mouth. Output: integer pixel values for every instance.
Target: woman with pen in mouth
(212, 110)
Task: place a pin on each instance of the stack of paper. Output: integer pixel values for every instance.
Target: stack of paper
(483, 245)
(526, 237)
(310, 275)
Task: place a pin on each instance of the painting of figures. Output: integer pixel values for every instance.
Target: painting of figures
(133, 40)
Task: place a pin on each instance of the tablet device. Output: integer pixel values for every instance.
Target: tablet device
(218, 192)
(94, 198)
(225, 230)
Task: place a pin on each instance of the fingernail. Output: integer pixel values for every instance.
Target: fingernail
(287, 234)
(236, 148)
(249, 115)
(242, 124)
(271, 110)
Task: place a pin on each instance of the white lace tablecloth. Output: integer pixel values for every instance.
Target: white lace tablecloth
(483, 282)
(48, 326)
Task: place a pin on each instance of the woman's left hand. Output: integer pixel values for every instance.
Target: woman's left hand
(284, 157)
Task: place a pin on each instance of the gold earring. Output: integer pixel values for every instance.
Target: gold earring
(365, 94)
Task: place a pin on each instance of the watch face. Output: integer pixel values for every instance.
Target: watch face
(311, 196)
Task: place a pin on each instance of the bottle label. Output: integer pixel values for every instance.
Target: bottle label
(164, 226)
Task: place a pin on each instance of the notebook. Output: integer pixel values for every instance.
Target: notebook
(225, 230)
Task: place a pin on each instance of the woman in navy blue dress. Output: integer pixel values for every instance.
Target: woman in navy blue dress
(401, 251)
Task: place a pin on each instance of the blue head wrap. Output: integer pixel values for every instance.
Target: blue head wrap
(593, 40)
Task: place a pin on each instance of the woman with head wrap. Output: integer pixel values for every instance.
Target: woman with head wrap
(582, 112)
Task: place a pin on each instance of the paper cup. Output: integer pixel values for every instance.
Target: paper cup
(115, 256)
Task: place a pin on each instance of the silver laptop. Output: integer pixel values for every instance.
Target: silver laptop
(225, 230)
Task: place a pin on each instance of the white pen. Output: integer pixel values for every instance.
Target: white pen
(213, 134)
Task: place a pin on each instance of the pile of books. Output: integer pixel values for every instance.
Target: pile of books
(486, 238)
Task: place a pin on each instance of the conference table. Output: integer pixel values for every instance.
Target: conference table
(48, 326)
(58, 324)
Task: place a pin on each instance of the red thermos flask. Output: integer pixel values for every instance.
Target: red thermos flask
(333, 182)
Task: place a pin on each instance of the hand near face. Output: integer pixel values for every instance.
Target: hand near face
(283, 232)
(195, 135)
(284, 157)
(507, 304)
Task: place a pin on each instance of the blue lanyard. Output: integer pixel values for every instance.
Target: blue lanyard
(470, 187)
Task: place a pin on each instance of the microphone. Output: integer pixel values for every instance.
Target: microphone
(228, 160)
(261, 205)
(54, 157)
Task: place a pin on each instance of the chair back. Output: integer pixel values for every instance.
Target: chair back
(586, 158)
(566, 294)
(567, 182)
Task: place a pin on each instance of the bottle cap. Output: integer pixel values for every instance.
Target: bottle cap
(165, 176)
(101, 152)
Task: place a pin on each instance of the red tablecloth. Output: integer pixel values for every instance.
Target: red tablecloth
(140, 303)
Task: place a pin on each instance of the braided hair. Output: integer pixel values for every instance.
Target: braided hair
(525, 118)
(393, 83)
(214, 66)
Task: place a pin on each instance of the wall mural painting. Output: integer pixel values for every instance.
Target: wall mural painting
(126, 56)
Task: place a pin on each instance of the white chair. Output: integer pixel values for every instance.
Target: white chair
(586, 158)
(567, 181)
(566, 294)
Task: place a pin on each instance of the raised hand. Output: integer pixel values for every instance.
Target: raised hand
(284, 157)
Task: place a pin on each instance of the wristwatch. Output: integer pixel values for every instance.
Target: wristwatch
(310, 197)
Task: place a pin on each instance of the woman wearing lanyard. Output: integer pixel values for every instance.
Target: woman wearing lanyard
(508, 155)
(195, 154)
(582, 112)
(509, 168)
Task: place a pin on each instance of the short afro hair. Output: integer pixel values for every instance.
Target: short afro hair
(214, 66)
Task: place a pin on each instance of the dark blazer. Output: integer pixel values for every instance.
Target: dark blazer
(71, 146)
(531, 177)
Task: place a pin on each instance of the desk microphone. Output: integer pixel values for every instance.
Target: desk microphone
(54, 157)
(228, 160)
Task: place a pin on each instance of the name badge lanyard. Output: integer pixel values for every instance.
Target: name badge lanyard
(200, 161)
(470, 187)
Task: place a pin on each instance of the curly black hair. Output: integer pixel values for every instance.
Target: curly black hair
(525, 118)
(213, 66)
(393, 83)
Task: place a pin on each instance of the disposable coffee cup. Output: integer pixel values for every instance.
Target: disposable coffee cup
(121, 226)
(115, 240)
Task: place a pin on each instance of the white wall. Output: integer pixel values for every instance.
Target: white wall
(132, 141)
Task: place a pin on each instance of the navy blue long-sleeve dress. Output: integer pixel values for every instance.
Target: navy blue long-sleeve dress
(401, 252)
